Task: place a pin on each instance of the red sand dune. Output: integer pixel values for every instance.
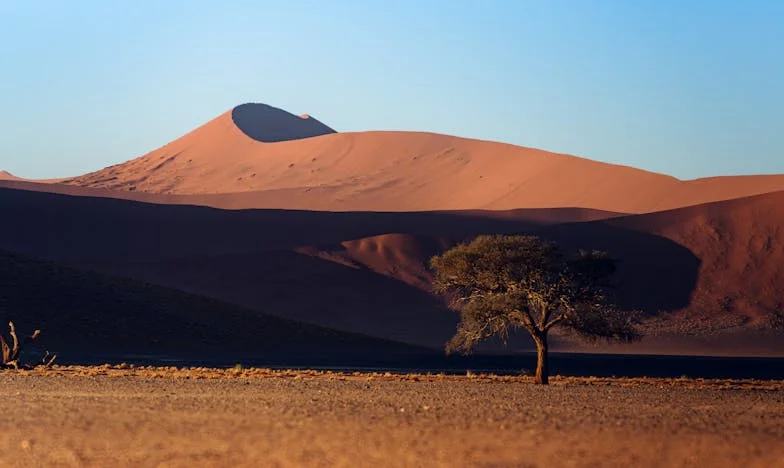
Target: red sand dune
(248, 257)
(394, 171)
(86, 314)
(738, 245)
(714, 272)
(702, 258)
(364, 272)
(399, 256)
(5, 175)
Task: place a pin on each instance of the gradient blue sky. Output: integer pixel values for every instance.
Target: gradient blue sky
(689, 88)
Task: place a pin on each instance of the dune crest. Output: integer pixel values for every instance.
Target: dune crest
(269, 124)
(5, 175)
(269, 158)
(350, 220)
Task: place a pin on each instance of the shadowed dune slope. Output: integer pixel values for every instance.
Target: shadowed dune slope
(393, 171)
(269, 124)
(252, 257)
(740, 244)
(655, 274)
(735, 247)
(711, 269)
(72, 228)
(259, 259)
(84, 313)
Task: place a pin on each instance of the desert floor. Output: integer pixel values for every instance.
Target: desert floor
(125, 416)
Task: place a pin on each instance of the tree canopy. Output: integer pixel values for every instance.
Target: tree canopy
(503, 282)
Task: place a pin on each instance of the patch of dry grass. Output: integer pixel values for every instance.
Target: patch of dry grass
(255, 373)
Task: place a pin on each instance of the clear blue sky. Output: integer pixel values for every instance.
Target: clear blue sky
(686, 87)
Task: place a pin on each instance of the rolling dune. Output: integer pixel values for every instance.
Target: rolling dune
(5, 175)
(394, 171)
(365, 272)
(342, 226)
(88, 314)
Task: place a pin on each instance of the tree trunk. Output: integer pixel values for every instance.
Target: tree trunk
(542, 367)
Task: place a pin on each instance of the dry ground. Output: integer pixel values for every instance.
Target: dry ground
(124, 416)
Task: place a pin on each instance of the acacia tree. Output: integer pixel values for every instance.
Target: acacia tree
(498, 283)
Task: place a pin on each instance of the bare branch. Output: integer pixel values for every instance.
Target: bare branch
(15, 348)
(48, 359)
(6, 350)
(555, 322)
(11, 352)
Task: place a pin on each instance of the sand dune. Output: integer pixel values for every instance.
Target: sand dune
(251, 257)
(83, 313)
(714, 272)
(740, 244)
(364, 272)
(343, 224)
(69, 228)
(395, 171)
(399, 256)
(717, 260)
(5, 175)
(12, 180)
(274, 199)
(269, 124)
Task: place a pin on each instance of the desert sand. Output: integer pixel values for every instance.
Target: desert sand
(366, 272)
(203, 417)
(259, 164)
(5, 175)
(278, 215)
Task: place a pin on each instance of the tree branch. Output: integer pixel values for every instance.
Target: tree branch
(15, 339)
(555, 322)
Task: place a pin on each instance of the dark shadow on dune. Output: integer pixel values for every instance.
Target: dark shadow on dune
(654, 274)
(307, 289)
(88, 229)
(246, 257)
(269, 124)
(82, 313)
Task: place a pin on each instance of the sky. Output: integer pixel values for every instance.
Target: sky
(691, 88)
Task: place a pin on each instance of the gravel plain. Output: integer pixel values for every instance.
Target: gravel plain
(125, 416)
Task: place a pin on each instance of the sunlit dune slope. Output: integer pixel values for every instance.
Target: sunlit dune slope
(314, 168)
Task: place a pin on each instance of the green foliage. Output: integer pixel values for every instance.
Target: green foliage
(498, 283)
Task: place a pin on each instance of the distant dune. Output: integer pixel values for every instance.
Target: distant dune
(394, 171)
(8, 178)
(269, 124)
(5, 175)
(277, 213)
(251, 257)
(365, 272)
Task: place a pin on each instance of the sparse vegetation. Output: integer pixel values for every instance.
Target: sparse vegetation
(12, 349)
(498, 283)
